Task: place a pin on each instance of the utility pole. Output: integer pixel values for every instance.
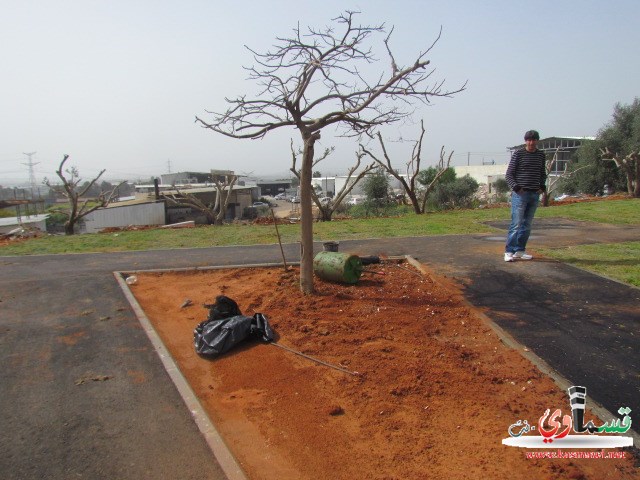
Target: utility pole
(468, 158)
(32, 175)
(168, 166)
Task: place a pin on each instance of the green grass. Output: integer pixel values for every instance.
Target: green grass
(441, 223)
(620, 261)
(615, 212)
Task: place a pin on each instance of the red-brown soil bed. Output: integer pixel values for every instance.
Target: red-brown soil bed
(435, 393)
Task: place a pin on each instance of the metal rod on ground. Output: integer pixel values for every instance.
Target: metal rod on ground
(314, 359)
(374, 272)
(409, 270)
(275, 222)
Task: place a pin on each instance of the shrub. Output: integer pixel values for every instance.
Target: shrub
(456, 194)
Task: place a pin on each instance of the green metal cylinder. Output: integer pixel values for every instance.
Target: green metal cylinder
(337, 267)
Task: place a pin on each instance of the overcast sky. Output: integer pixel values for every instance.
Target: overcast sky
(116, 84)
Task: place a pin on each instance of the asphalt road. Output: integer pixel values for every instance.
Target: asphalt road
(84, 395)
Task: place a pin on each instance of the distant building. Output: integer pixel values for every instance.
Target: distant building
(191, 178)
(126, 214)
(273, 188)
(7, 224)
(326, 184)
(483, 174)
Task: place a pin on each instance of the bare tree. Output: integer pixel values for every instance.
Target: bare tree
(312, 80)
(224, 190)
(554, 180)
(185, 199)
(327, 209)
(630, 165)
(71, 190)
(412, 187)
(214, 212)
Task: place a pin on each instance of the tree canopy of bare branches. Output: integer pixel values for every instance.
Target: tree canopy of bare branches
(553, 181)
(71, 190)
(327, 209)
(215, 212)
(417, 195)
(315, 78)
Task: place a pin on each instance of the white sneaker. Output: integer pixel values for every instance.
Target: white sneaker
(522, 256)
(508, 257)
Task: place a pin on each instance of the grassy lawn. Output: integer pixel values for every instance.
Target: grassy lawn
(620, 261)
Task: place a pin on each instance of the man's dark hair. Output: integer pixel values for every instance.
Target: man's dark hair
(532, 135)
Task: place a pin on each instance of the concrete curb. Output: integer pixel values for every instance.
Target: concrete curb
(218, 447)
(540, 364)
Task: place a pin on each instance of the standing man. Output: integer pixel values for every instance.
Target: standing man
(526, 176)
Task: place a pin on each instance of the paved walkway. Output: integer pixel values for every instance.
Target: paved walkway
(83, 394)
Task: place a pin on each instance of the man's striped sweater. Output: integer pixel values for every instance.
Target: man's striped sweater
(526, 170)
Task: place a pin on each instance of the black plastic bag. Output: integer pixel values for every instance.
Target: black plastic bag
(216, 335)
(224, 307)
(260, 328)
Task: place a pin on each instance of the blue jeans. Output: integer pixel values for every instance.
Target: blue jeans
(523, 208)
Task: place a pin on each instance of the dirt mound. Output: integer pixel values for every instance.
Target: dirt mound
(417, 383)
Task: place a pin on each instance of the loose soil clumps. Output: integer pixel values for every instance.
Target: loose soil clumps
(423, 387)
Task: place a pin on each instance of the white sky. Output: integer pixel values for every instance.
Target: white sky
(116, 84)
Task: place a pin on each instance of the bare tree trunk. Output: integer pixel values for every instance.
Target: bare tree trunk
(306, 215)
(69, 227)
(630, 165)
(222, 199)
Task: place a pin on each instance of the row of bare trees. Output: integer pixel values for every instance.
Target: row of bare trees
(318, 78)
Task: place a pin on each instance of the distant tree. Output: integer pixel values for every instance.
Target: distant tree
(214, 212)
(317, 174)
(327, 209)
(376, 187)
(71, 190)
(621, 140)
(224, 189)
(315, 79)
(431, 174)
(589, 173)
(501, 186)
(456, 194)
(415, 177)
(555, 181)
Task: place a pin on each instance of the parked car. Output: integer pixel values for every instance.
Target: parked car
(324, 200)
(260, 204)
(295, 199)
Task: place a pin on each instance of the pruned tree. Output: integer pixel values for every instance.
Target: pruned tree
(73, 192)
(184, 199)
(312, 80)
(416, 192)
(630, 166)
(553, 181)
(224, 190)
(213, 212)
(327, 209)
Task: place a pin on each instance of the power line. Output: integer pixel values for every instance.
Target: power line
(32, 174)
